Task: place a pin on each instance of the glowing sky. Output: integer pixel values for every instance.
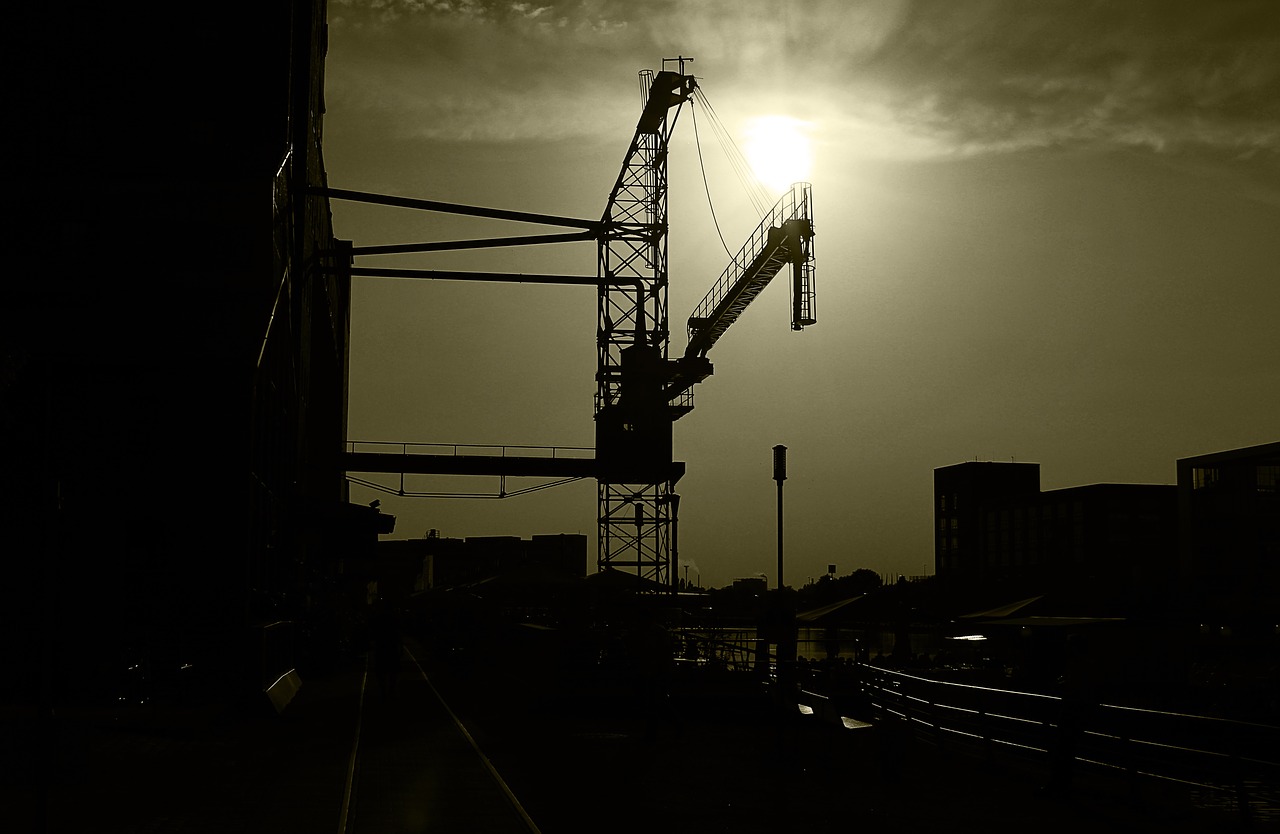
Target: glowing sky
(1046, 231)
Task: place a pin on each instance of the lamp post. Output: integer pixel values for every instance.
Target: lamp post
(783, 616)
(779, 475)
(674, 554)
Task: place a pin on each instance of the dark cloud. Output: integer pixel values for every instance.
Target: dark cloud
(458, 70)
(955, 75)
(1161, 74)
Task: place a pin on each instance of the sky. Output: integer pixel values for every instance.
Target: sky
(1045, 231)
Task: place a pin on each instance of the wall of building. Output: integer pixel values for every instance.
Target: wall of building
(993, 524)
(962, 494)
(1212, 541)
(167, 465)
(455, 562)
(1229, 527)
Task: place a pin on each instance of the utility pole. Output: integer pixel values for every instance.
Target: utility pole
(779, 475)
(673, 559)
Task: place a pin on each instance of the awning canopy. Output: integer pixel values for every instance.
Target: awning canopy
(1003, 611)
(819, 614)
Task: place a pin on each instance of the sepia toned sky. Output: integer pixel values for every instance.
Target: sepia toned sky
(1046, 231)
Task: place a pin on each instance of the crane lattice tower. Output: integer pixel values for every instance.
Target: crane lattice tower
(633, 413)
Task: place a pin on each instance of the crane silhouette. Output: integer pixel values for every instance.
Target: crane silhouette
(640, 389)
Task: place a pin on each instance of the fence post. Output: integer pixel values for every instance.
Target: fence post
(937, 725)
(1242, 794)
(985, 724)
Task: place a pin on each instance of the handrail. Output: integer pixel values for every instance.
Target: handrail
(735, 654)
(1219, 754)
(556, 452)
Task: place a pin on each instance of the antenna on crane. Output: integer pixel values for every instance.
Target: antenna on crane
(680, 60)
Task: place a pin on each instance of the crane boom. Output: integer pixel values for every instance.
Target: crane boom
(784, 236)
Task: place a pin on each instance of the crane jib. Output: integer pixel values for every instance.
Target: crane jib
(784, 236)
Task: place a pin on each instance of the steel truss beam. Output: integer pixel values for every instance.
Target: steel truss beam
(636, 523)
(455, 208)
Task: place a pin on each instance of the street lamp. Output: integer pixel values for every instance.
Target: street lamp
(779, 475)
(673, 556)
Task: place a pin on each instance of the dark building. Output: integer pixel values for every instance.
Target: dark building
(174, 348)
(457, 562)
(962, 495)
(992, 523)
(1229, 528)
(402, 566)
(750, 584)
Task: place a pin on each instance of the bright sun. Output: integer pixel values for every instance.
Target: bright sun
(779, 151)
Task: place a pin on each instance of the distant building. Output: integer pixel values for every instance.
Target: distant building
(993, 523)
(407, 565)
(962, 495)
(1229, 526)
(750, 584)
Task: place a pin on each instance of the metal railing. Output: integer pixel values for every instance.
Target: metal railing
(467, 449)
(463, 451)
(1233, 759)
(734, 650)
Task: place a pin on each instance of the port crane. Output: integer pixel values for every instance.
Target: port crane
(641, 390)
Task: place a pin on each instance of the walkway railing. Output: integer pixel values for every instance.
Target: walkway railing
(1238, 761)
(465, 449)
(734, 650)
(564, 464)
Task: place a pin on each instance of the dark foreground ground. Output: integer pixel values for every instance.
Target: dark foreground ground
(476, 747)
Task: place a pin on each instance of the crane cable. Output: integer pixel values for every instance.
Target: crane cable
(736, 159)
(693, 111)
(756, 191)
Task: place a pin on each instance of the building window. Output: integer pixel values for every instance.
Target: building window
(1203, 477)
(1269, 479)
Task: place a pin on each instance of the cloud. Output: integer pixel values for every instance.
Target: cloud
(1001, 74)
(915, 78)
(464, 70)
